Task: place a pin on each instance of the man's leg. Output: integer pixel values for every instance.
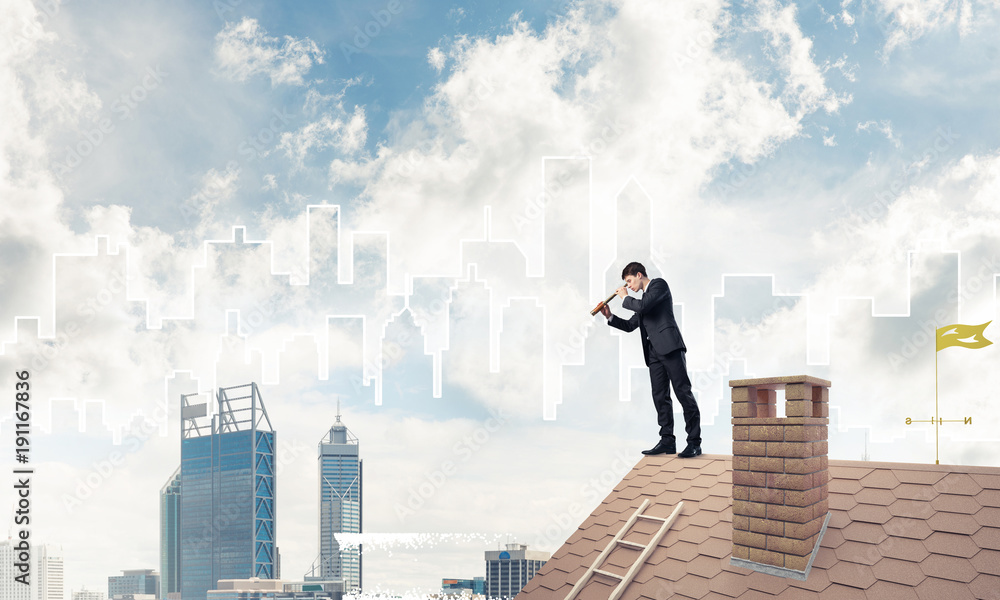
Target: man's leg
(676, 367)
(659, 379)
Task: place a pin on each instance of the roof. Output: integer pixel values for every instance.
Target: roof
(896, 531)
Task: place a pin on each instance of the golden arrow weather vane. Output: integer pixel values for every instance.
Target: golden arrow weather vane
(964, 336)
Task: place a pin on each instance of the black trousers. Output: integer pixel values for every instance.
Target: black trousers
(664, 371)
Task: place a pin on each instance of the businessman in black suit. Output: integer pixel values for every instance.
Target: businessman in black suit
(663, 350)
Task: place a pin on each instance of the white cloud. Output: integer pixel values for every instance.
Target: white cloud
(436, 58)
(244, 49)
(905, 21)
(884, 127)
(345, 133)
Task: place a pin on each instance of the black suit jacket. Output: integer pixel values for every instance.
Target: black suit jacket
(653, 314)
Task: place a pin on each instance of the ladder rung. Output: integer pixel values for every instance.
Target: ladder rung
(633, 544)
(608, 574)
(651, 518)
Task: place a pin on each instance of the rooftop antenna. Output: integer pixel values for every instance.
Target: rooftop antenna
(865, 456)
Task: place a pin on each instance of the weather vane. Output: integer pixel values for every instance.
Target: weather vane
(964, 336)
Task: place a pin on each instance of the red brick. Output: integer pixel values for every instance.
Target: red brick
(741, 492)
(741, 463)
(749, 478)
(798, 391)
(794, 514)
(749, 539)
(744, 394)
(786, 545)
(791, 481)
(768, 495)
(766, 465)
(801, 531)
(766, 557)
(821, 508)
(798, 408)
(741, 433)
(821, 394)
(820, 448)
(767, 433)
(750, 509)
(821, 409)
(767, 526)
(789, 449)
(820, 478)
(743, 409)
(766, 411)
(741, 552)
(803, 498)
(741, 522)
(804, 465)
(796, 563)
(750, 448)
(809, 433)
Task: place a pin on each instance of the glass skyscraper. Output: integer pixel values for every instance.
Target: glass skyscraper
(507, 571)
(340, 474)
(170, 534)
(227, 525)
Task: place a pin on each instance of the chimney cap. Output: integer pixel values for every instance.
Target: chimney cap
(777, 382)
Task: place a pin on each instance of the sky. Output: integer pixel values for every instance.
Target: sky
(411, 208)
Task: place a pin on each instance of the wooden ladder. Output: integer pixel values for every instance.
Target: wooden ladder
(645, 551)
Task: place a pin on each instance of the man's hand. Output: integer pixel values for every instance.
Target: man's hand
(622, 292)
(606, 311)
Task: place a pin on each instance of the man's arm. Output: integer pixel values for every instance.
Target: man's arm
(652, 297)
(619, 323)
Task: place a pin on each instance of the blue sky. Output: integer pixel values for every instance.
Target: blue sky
(431, 209)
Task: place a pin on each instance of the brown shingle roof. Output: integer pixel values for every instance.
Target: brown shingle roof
(896, 530)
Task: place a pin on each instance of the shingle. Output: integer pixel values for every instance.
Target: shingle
(844, 486)
(951, 544)
(728, 584)
(691, 586)
(844, 592)
(989, 498)
(817, 581)
(985, 586)
(694, 534)
(920, 476)
(953, 523)
(917, 529)
(987, 480)
(694, 494)
(833, 538)
(956, 503)
(869, 513)
(914, 491)
(914, 509)
(869, 533)
(987, 537)
(766, 583)
(880, 478)
(851, 574)
(858, 552)
(948, 567)
(904, 549)
(887, 590)
(876, 496)
(988, 516)
(716, 548)
(958, 483)
(987, 561)
(898, 571)
(933, 588)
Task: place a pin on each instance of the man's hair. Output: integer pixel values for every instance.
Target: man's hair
(633, 269)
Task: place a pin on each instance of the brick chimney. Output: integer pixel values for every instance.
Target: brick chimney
(780, 473)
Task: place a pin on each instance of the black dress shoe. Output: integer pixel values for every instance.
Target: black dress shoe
(661, 448)
(690, 451)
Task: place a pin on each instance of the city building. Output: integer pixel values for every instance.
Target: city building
(227, 518)
(86, 594)
(463, 587)
(136, 581)
(170, 536)
(276, 589)
(47, 573)
(340, 493)
(9, 587)
(780, 519)
(507, 571)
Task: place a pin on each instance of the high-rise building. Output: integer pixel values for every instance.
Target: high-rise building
(135, 581)
(86, 594)
(227, 518)
(47, 573)
(170, 534)
(9, 587)
(507, 571)
(340, 479)
(463, 587)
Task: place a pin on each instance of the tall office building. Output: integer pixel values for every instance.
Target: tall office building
(340, 474)
(170, 534)
(47, 573)
(227, 518)
(86, 594)
(133, 582)
(9, 588)
(507, 571)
